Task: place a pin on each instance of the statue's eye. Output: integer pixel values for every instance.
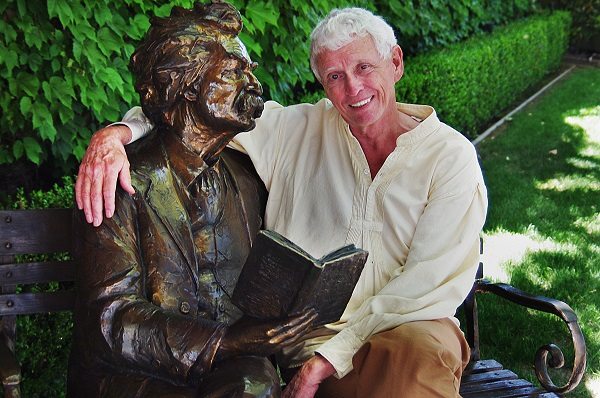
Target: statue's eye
(236, 73)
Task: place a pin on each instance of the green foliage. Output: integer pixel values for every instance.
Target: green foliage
(472, 82)
(64, 64)
(423, 25)
(64, 72)
(585, 33)
(44, 340)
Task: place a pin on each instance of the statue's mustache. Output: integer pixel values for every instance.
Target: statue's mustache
(250, 103)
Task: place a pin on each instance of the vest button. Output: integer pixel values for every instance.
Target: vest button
(184, 307)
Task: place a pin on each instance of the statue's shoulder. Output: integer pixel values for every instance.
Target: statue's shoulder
(243, 172)
(146, 153)
(239, 164)
(147, 157)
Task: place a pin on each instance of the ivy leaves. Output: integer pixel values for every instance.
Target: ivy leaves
(64, 72)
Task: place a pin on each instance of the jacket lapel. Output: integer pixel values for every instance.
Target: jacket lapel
(163, 199)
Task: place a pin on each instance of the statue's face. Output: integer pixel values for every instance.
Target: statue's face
(229, 93)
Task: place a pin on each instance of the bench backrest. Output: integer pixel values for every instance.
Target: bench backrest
(32, 232)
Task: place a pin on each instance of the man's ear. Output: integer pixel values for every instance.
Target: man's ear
(397, 60)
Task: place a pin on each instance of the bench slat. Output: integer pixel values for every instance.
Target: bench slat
(495, 386)
(36, 303)
(484, 365)
(40, 272)
(35, 231)
(511, 393)
(487, 377)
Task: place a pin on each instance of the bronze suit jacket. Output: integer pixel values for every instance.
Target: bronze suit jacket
(148, 302)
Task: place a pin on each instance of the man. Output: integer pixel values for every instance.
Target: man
(154, 316)
(359, 168)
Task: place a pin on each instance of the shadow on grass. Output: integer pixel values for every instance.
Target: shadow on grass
(512, 334)
(543, 175)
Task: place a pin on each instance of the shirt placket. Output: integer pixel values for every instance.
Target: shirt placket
(365, 220)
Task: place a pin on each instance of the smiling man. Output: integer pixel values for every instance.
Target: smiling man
(359, 168)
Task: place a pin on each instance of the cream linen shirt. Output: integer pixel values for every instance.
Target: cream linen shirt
(419, 218)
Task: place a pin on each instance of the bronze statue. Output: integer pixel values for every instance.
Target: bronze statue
(154, 316)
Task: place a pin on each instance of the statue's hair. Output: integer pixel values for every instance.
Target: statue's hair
(342, 26)
(175, 53)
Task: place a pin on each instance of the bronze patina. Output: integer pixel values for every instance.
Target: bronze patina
(154, 316)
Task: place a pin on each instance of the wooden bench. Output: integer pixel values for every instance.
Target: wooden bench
(51, 230)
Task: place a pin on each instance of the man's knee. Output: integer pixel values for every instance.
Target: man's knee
(423, 342)
(410, 356)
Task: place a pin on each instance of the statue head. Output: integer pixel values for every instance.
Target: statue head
(192, 68)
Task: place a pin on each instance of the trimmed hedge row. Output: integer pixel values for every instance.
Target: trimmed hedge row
(473, 82)
(585, 34)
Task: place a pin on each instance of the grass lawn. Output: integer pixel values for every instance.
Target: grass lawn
(543, 229)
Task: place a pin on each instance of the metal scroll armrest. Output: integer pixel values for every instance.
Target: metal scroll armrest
(10, 371)
(550, 354)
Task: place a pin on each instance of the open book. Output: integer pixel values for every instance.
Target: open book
(280, 279)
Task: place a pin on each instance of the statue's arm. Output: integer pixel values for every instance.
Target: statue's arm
(122, 327)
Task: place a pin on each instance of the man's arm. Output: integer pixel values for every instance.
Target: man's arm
(104, 162)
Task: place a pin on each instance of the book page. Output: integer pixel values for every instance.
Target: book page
(270, 279)
(329, 290)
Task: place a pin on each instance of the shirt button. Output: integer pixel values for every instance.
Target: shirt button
(366, 172)
(184, 307)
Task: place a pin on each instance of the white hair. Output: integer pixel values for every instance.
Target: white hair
(342, 26)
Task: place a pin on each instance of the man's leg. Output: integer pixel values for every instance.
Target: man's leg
(417, 359)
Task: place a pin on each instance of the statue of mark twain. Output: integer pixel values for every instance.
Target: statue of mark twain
(154, 316)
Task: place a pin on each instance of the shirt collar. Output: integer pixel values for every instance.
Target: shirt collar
(428, 123)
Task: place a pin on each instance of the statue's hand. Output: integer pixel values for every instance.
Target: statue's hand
(250, 336)
(104, 162)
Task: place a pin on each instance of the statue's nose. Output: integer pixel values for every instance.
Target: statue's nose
(254, 84)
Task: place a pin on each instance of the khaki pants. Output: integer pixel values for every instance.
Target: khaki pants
(415, 360)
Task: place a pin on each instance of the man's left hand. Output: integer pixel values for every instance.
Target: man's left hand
(306, 382)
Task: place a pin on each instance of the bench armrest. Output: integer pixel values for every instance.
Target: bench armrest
(10, 371)
(556, 358)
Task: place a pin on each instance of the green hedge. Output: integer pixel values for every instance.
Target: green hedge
(473, 82)
(44, 341)
(423, 25)
(585, 34)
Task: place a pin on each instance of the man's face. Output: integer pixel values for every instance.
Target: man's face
(360, 84)
(229, 93)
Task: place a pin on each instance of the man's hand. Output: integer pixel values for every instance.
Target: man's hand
(104, 161)
(306, 382)
(251, 336)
